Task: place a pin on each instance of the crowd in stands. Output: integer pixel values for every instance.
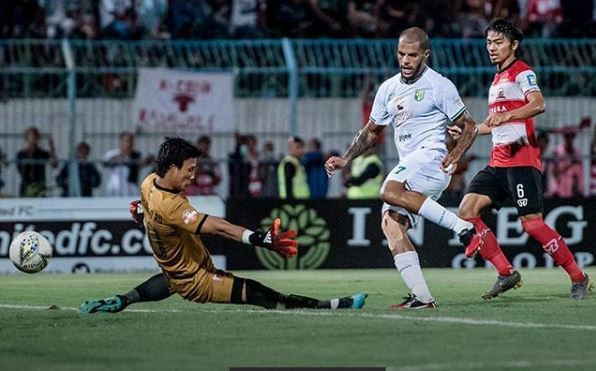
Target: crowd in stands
(209, 19)
(252, 171)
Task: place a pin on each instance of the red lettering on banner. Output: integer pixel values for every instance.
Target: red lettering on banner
(192, 87)
(184, 101)
(170, 121)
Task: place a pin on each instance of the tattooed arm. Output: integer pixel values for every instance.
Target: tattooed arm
(465, 140)
(363, 140)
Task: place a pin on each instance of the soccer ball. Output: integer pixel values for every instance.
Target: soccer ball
(30, 252)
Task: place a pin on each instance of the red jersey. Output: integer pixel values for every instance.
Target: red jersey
(514, 142)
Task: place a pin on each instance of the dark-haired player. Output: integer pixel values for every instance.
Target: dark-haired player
(173, 227)
(514, 168)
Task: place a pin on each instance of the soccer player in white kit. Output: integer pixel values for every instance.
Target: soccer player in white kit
(418, 103)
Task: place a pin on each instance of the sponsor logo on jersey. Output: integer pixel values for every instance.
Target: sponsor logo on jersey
(501, 94)
(497, 109)
(531, 80)
(522, 202)
(404, 137)
(189, 216)
(419, 95)
(401, 114)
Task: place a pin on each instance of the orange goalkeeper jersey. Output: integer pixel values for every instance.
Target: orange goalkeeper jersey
(171, 224)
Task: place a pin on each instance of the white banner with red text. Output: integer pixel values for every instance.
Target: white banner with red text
(174, 101)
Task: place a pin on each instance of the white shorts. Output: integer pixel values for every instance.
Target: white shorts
(420, 171)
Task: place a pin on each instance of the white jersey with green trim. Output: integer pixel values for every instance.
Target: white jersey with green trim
(418, 111)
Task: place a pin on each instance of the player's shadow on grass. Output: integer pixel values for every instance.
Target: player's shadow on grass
(527, 299)
(504, 301)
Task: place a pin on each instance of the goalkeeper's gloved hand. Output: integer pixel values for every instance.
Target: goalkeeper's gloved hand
(136, 211)
(283, 243)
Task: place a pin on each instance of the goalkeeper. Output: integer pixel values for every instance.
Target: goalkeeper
(174, 227)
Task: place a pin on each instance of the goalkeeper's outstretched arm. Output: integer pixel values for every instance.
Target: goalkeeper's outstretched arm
(284, 243)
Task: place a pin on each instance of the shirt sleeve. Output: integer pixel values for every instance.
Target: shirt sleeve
(526, 80)
(184, 216)
(379, 113)
(448, 100)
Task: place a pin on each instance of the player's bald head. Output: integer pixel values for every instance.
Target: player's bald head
(413, 35)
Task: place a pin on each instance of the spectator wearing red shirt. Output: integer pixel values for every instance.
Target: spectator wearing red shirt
(567, 169)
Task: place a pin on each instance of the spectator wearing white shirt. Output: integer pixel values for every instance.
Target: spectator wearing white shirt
(125, 163)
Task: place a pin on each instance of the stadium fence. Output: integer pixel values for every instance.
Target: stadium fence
(77, 90)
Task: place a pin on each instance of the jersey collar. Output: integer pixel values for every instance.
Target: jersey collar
(508, 66)
(415, 78)
(162, 188)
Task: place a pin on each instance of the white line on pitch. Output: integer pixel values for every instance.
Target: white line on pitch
(40, 307)
(388, 316)
(455, 320)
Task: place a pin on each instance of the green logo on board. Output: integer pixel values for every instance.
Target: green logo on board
(313, 237)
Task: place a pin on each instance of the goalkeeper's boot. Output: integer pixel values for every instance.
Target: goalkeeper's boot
(472, 239)
(579, 290)
(112, 304)
(411, 302)
(358, 300)
(503, 284)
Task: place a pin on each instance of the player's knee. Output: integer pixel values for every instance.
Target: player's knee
(466, 210)
(550, 239)
(538, 230)
(393, 226)
(532, 226)
(470, 207)
(393, 196)
(391, 230)
(466, 213)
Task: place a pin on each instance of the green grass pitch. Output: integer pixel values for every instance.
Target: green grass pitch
(535, 327)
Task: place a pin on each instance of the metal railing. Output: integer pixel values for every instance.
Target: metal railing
(263, 66)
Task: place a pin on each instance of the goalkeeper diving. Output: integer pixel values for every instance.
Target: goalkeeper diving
(174, 227)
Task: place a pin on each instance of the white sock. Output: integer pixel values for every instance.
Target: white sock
(431, 210)
(408, 265)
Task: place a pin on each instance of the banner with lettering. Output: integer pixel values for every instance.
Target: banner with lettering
(87, 234)
(347, 234)
(184, 102)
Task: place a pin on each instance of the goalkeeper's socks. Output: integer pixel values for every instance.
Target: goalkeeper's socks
(130, 297)
(263, 296)
(298, 301)
(341, 303)
(408, 265)
(154, 289)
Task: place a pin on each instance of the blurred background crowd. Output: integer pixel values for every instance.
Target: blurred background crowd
(221, 19)
(254, 169)
(256, 166)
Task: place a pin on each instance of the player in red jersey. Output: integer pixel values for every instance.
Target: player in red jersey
(514, 167)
